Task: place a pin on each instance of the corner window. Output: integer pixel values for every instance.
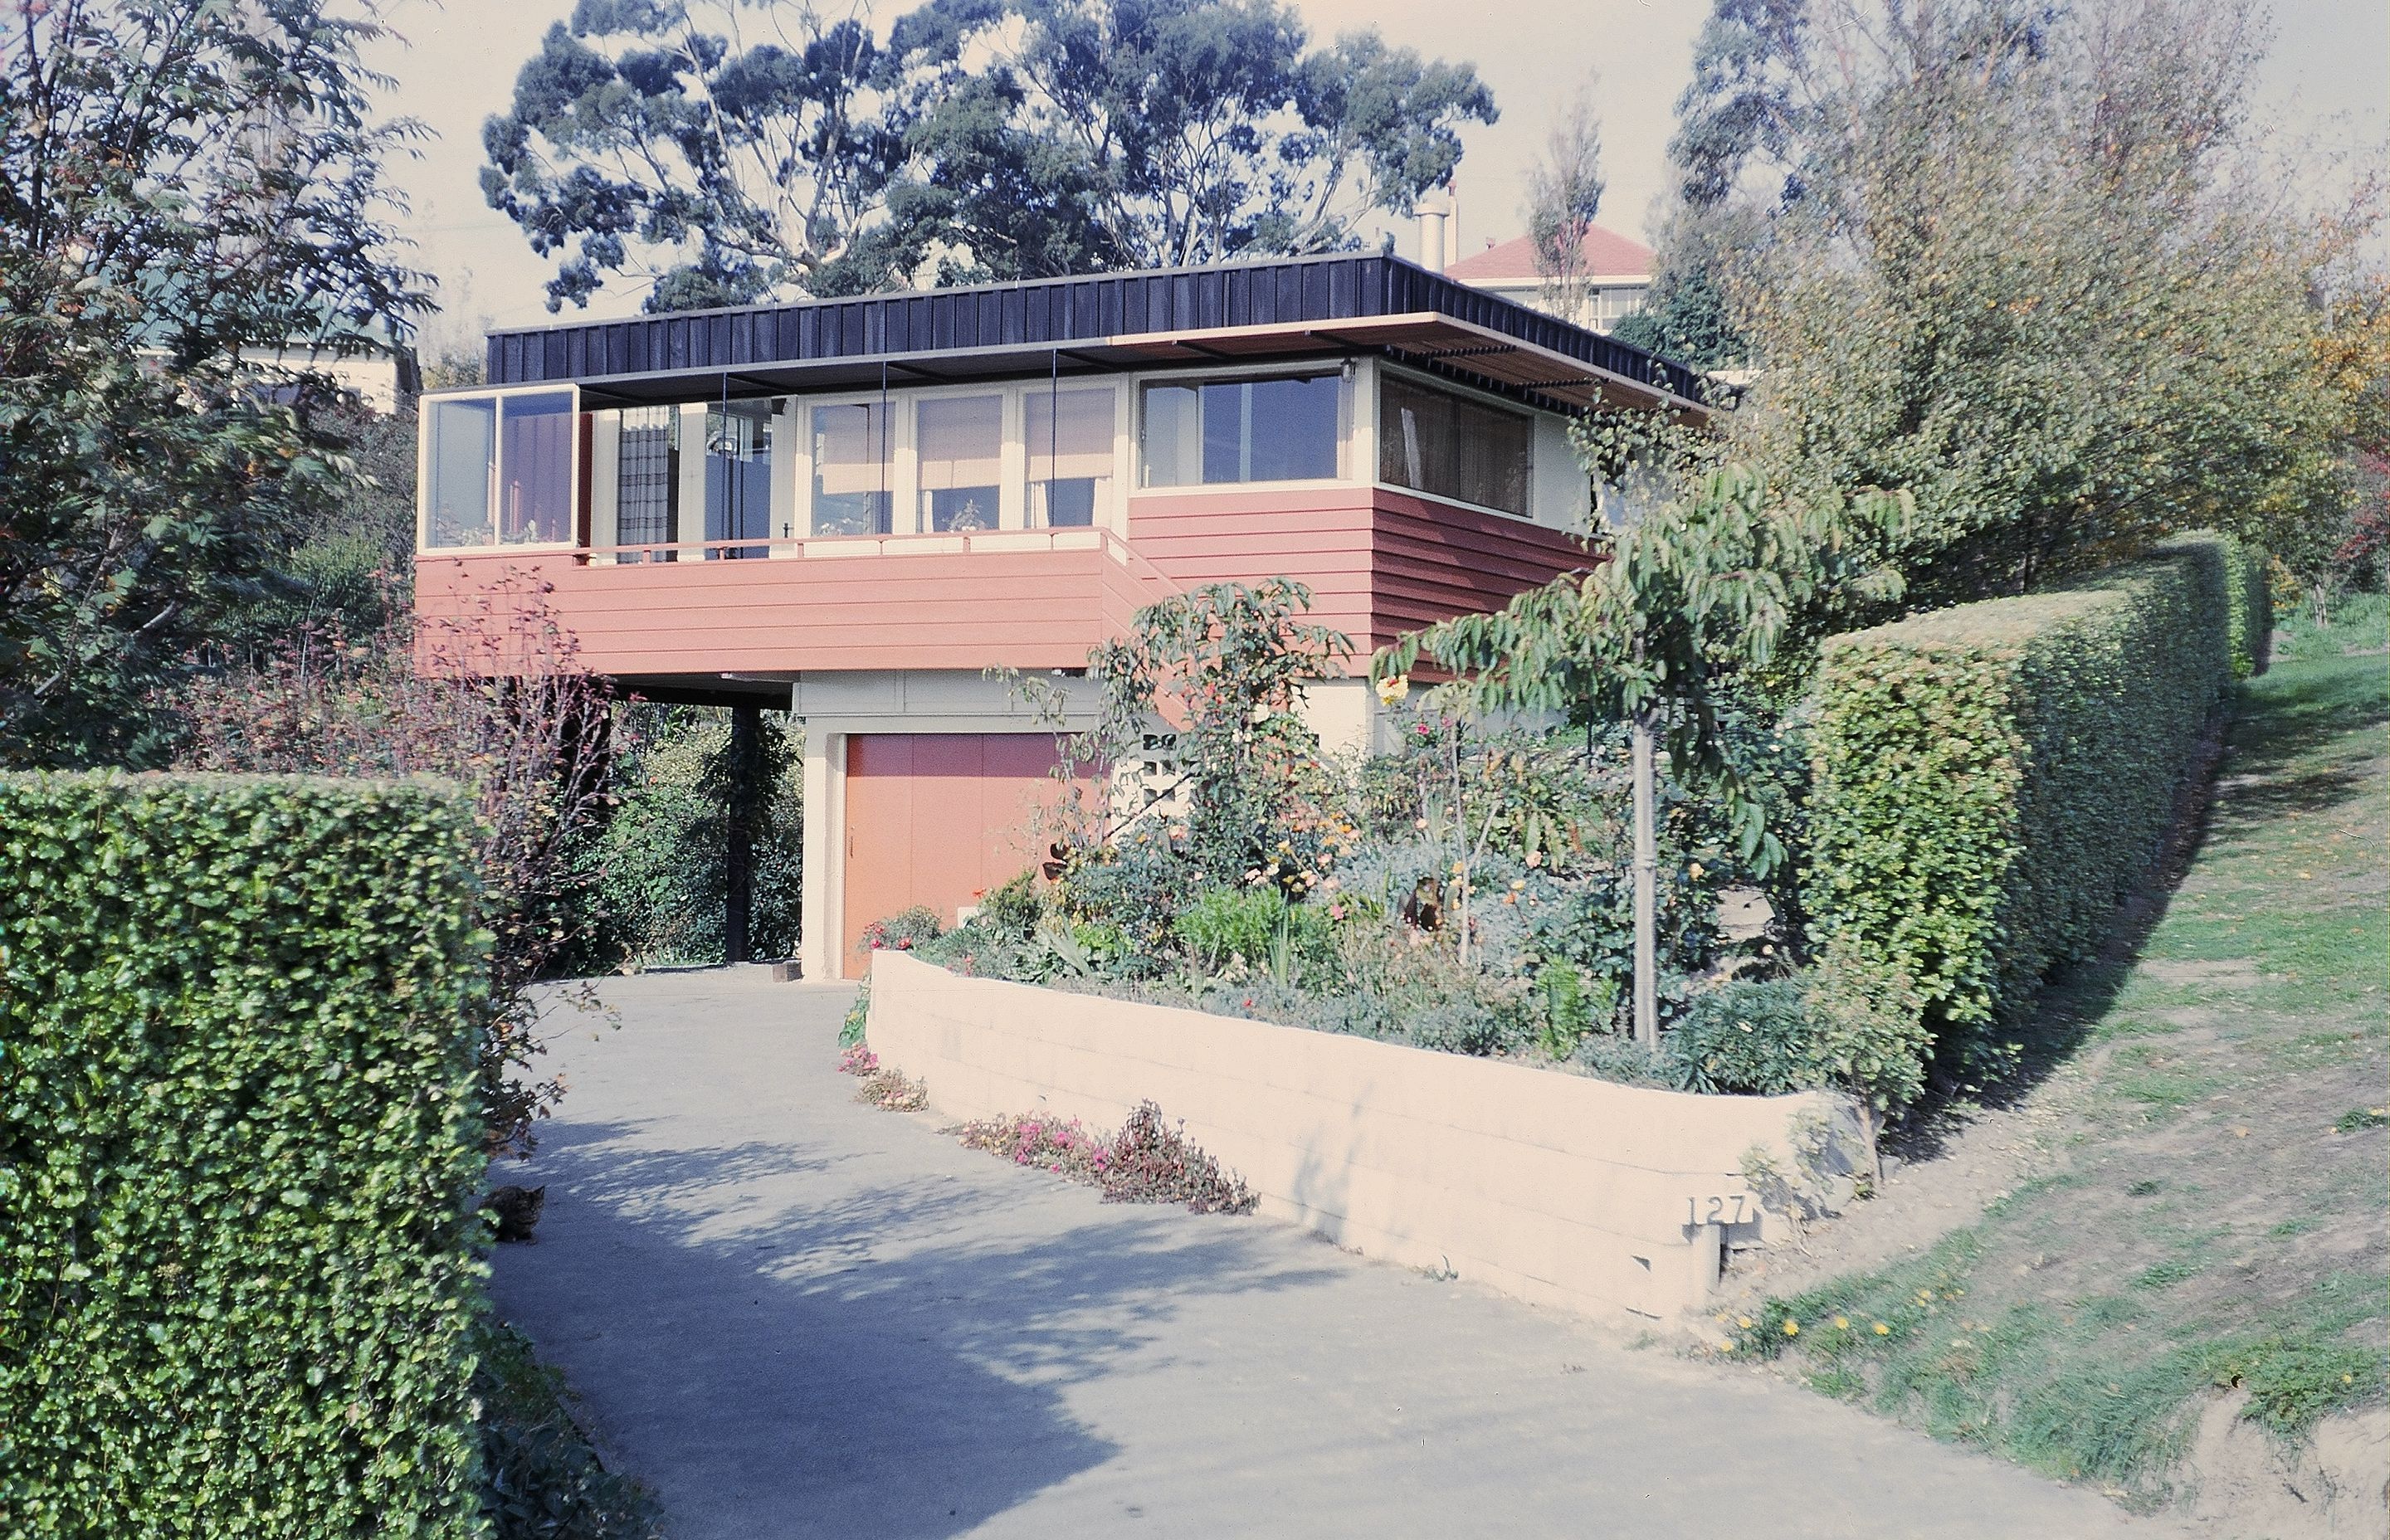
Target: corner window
(1447, 445)
(1070, 435)
(503, 469)
(961, 443)
(1219, 432)
(851, 469)
(464, 454)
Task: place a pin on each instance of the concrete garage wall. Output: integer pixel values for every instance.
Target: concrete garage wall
(1554, 1187)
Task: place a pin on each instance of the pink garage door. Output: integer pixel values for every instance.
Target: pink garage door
(937, 819)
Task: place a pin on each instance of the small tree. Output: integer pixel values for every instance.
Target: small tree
(1564, 189)
(1200, 704)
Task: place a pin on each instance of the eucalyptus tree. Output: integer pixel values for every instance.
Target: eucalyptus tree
(725, 152)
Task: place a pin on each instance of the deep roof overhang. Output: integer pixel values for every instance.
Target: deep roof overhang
(1319, 307)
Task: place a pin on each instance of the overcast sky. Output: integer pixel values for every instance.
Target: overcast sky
(2327, 83)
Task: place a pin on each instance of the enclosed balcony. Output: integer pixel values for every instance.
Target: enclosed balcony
(714, 505)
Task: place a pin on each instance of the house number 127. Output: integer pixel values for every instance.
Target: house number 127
(1713, 1211)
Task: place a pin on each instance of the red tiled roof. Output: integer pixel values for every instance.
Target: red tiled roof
(1606, 254)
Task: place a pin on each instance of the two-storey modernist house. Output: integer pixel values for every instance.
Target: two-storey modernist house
(851, 509)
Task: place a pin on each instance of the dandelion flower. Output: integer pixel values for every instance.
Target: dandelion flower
(1743, 1321)
(1842, 1323)
(1881, 1329)
(1791, 1328)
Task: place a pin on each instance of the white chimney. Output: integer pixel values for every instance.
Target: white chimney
(1451, 224)
(1431, 223)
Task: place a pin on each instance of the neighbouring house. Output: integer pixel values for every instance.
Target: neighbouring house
(1613, 274)
(854, 510)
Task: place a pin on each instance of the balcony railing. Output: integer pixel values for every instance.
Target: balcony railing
(833, 547)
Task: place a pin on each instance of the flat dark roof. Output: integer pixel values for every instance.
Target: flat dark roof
(1298, 307)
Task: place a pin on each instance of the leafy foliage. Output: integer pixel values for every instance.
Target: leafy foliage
(657, 868)
(1218, 672)
(660, 138)
(1992, 779)
(541, 1479)
(1564, 189)
(179, 181)
(2027, 265)
(237, 1156)
(1708, 585)
(496, 701)
(1750, 1036)
(1256, 926)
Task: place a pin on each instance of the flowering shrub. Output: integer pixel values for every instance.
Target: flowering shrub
(1147, 1161)
(884, 1088)
(1057, 1145)
(902, 931)
(1151, 1162)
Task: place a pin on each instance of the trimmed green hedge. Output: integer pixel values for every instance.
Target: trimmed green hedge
(2248, 595)
(238, 1144)
(1991, 780)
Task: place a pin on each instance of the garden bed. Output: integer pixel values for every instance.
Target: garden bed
(1557, 1189)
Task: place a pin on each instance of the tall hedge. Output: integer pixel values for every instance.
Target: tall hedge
(2249, 599)
(1991, 780)
(238, 1139)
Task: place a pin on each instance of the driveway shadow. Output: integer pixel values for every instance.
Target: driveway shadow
(895, 1361)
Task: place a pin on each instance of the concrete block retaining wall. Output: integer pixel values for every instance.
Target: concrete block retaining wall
(1550, 1187)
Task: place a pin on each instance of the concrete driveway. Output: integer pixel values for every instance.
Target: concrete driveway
(796, 1315)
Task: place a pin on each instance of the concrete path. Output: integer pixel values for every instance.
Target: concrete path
(796, 1315)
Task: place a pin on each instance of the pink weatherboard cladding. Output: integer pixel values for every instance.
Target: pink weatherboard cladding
(825, 611)
(1378, 563)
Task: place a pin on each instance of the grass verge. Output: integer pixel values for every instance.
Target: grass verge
(2213, 1213)
(542, 1480)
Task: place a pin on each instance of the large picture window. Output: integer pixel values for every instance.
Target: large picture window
(1446, 445)
(1070, 435)
(1215, 431)
(961, 445)
(852, 469)
(502, 470)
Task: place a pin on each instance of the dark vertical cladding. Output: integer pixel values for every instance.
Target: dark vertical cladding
(1051, 313)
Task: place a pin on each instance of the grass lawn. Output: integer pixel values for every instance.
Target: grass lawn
(2211, 1209)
